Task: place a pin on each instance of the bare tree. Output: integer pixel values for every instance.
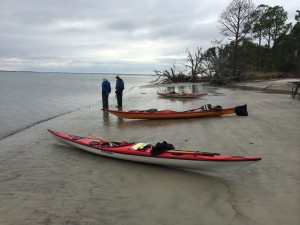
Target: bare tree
(195, 65)
(235, 22)
(171, 76)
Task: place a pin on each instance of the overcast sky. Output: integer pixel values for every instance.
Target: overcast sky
(109, 36)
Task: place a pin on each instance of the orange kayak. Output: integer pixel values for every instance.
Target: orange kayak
(169, 114)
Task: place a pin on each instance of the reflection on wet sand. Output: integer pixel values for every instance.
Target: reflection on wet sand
(165, 123)
(189, 88)
(182, 100)
(105, 118)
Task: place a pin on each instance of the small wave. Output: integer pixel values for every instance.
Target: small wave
(38, 122)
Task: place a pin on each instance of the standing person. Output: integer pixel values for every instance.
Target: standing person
(119, 90)
(105, 93)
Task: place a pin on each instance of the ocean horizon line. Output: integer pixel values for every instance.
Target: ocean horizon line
(102, 73)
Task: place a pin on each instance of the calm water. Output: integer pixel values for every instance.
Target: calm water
(27, 98)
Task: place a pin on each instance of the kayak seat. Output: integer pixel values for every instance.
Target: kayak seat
(106, 144)
(217, 108)
(93, 143)
(151, 110)
(124, 143)
(148, 110)
(77, 138)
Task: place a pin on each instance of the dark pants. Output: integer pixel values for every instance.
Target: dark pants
(119, 98)
(105, 101)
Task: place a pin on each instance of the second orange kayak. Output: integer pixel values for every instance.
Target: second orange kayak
(170, 114)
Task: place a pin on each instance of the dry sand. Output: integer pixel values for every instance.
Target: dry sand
(42, 182)
(279, 85)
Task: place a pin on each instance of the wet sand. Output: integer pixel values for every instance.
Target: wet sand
(43, 182)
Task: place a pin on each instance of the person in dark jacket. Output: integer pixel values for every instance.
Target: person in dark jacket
(119, 90)
(105, 93)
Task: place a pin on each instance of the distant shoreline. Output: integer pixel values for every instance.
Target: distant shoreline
(17, 71)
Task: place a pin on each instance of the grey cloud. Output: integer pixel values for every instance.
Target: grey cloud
(79, 35)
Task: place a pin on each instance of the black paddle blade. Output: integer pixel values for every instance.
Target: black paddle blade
(241, 110)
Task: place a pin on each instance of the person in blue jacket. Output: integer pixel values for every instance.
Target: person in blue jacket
(119, 90)
(105, 93)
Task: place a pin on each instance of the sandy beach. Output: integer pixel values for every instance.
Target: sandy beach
(43, 182)
(279, 85)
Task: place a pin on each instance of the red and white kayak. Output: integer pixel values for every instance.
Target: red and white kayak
(144, 153)
(181, 95)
